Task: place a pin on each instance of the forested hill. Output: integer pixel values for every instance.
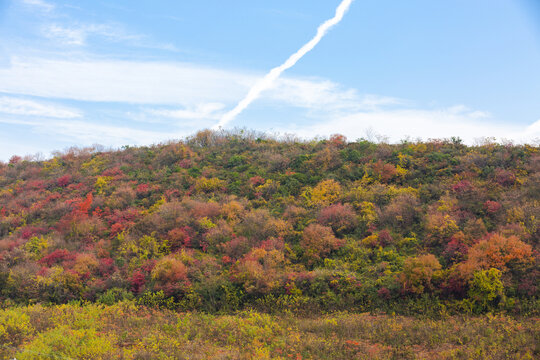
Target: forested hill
(224, 221)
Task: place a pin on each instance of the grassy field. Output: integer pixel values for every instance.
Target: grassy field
(126, 331)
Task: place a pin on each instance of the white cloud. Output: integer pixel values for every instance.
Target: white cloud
(88, 133)
(200, 111)
(474, 114)
(400, 124)
(65, 35)
(40, 4)
(157, 83)
(17, 106)
(534, 129)
(78, 35)
(162, 83)
(69, 32)
(316, 94)
(203, 93)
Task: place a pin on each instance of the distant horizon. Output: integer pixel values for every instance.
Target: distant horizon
(124, 73)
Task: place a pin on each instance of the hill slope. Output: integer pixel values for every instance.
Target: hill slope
(224, 221)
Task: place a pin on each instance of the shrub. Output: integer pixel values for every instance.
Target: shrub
(486, 288)
(170, 275)
(418, 273)
(317, 242)
(64, 342)
(325, 193)
(15, 327)
(114, 295)
(341, 218)
(499, 252)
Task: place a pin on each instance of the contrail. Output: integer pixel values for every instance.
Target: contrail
(274, 74)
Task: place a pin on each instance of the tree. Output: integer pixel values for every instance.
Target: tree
(170, 275)
(318, 241)
(259, 271)
(418, 273)
(341, 218)
(384, 172)
(486, 288)
(499, 252)
(325, 193)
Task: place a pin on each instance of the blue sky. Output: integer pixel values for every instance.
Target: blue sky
(143, 72)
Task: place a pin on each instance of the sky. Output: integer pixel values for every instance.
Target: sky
(78, 73)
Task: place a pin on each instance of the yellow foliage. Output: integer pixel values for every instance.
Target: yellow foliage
(446, 204)
(95, 166)
(101, 183)
(441, 226)
(146, 247)
(371, 241)
(205, 185)
(394, 191)
(404, 160)
(126, 331)
(72, 343)
(368, 213)
(419, 148)
(57, 278)
(206, 223)
(515, 215)
(152, 209)
(233, 211)
(53, 274)
(51, 165)
(14, 327)
(323, 194)
(401, 172)
(36, 246)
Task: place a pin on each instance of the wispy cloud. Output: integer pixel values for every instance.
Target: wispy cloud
(79, 34)
(24, 107)
(199, 89)
(200, 111)
(131, 82)
(318, 94)
(189, 96)
(87, 133)
(61, 28)
(65, 35)
(39, 4)
(91, 133)
(399, 124)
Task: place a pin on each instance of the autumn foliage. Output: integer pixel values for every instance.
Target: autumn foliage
(223, 221)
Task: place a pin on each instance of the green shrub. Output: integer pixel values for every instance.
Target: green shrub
(114, 295)
(486, 289)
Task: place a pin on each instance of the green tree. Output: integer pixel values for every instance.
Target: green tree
(486, 288)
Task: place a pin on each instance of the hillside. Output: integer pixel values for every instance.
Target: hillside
(225, 221)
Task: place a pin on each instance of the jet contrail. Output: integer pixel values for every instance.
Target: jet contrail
(269, 79)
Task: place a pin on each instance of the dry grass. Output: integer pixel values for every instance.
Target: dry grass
(125, 331)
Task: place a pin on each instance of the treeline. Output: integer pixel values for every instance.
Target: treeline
(223, 221)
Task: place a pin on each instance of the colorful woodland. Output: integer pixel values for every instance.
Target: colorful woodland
(305, 249)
